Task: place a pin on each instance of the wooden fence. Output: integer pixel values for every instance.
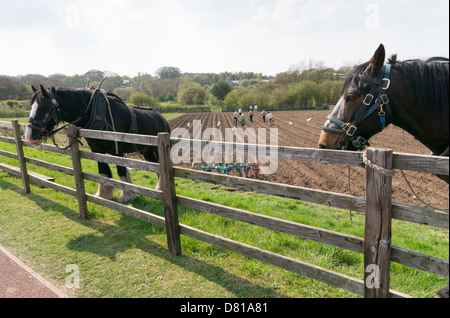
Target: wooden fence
(377, 205)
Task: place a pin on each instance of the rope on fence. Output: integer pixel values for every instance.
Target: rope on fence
(384, 171)
(391, 173)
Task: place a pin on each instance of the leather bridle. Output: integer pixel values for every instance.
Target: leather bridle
(370, 104)
(55, 114)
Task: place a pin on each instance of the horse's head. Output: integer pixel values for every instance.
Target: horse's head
(44, 115)
(363, 109)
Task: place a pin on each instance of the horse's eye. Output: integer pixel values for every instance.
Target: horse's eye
(350, 98)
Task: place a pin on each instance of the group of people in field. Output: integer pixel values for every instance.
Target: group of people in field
(239, 116)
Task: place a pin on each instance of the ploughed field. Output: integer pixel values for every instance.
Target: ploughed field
(302, 129)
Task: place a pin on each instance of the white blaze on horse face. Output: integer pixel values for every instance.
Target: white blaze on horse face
(34, 108)
(338, 112)
(33, 113)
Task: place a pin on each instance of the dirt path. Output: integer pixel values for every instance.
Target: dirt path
(17, 280)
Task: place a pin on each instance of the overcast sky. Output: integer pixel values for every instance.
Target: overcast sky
(261, 36)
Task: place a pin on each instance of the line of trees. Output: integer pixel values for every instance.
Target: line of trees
(306, 85)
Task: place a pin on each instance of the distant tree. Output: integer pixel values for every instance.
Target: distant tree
(141, 99)
(330, 91)
(193, 95)
(123, 92)
(198, 100)
(11, 88)
(220, 90)
(168, 72)
(308, 94)
(232, 98)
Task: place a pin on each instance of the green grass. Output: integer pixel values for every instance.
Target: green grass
(120, 256)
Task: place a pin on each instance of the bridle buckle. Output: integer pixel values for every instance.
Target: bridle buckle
(384, 99)
(368, 99)
(350, 131)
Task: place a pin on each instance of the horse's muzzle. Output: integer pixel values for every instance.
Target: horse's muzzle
(29, 137)
(330, 140)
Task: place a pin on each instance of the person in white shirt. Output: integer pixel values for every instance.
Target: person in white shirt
(270, 117)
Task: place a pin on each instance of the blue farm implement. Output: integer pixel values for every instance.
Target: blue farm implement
(243, 169)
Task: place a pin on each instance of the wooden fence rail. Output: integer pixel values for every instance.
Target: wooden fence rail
(377, 206)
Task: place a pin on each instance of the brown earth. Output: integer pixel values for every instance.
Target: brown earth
(305, 131)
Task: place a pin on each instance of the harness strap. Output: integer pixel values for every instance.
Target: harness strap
(133, 126)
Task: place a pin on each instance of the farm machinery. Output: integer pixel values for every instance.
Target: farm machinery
(243, 169)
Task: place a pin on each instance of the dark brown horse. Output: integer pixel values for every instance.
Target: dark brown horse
(412, 95)
(99, 110)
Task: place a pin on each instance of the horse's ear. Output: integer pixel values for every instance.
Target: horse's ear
(33, 89)
(44, 91)
(377, 60)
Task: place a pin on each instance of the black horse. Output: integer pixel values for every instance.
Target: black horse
(412, 95)
(95, 109)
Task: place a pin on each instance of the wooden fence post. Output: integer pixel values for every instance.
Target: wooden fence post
(169, 194)
(20, 154)
(377, 242)
(78, 173)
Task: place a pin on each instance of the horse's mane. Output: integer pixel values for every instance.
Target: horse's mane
(427, 81)
(76, 96)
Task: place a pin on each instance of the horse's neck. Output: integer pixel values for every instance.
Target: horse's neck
(74, 103)
(430, 129)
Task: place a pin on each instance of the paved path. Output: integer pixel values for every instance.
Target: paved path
(17, 280)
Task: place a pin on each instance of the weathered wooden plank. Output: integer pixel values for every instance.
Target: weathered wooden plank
(348, 242)
(311, 271)
(128, 210)
(118, 136)
(420, 215)
(421, 163)
(48, 147)
(126, 162)
(377, 241)
(5, 124)
(169, 194)
(54, 186)
(121, 185)
(10, 168)
(420, 261)
(343, 201)
(7, 140)
(424, 163)
(8, 154)
(49, 166)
